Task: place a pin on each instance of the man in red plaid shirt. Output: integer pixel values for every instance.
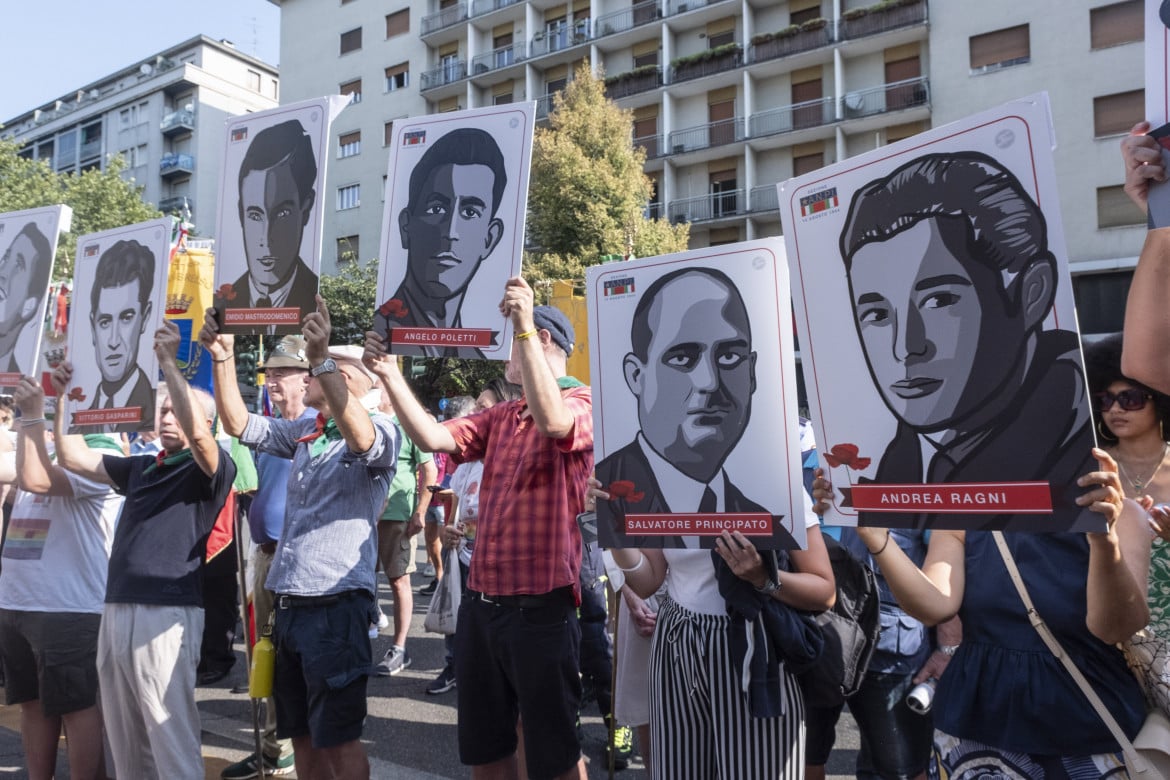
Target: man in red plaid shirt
(516, 651)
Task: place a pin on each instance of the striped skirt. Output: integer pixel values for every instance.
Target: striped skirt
(700, 727)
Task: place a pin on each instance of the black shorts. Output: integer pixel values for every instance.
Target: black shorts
(50, 656)
(519, 661)
(820, 733)
(322, 664)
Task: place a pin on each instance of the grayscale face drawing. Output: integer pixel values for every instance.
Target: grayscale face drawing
(120, 309)
(692, 370)
(24, 277)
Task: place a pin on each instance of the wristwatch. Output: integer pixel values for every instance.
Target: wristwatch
(329, 366)
(948, 650)
(769, 587)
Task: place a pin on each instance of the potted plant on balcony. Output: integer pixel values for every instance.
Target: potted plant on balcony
(631, 75)
(707, 55)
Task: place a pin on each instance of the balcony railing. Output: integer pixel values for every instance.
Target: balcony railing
(862, 22)
(174, 163)
(682, 6)
(724, 131)
(563, 38)
(770, 47)
(544, 105)
(895, 96)
(713, 206)
(444, 74)
(90, 150)
(178, 122)
(798, 116)
(480, 7)
(694, 69)
(499, 58)
(633, 82)
(652, 211)
(764, 198)
(651, 143)
(628, 18)
(444, 18)
(174, 204)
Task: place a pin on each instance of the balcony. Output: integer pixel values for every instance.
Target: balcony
(560, 39)
(725, 131)
(544, 106)
(682, 6)
(628, 18)
(178, 123)
(897, 96)
(481, 7)
(90, 150)
(444, 18)
(632, 82)
(706, 63)
(444, 74)
(174, 204)
(174, 164)
(706, 207)
(881, 18)
(791, 40)
(764, 198)
(651, 143)
(652, 211)
(787, 119)
(499, 58)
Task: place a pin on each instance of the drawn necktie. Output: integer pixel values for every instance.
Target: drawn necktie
(707, 503)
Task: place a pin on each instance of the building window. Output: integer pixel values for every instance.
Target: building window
(397, 76)
(1100, 300)
(1111, 25)
(555, 86)
(353, 89)
(124, 117)
(351, 40)
(807, 163)
(349, 197)
(349, 144)
(1000, 49)
(253, 81)
(275, 89)
(387, 134)
(724, 196)
(647, 58)
(805, 15)
(398, 23)
(723, 236)
(1116, 114)
(1115, 209)
(348, 249)
(503, 99)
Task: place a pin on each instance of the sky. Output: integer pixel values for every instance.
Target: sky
(92, 39)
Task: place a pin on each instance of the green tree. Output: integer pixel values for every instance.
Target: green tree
(588, 189)
(100, 199)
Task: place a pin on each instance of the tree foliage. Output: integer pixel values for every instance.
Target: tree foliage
(588, 190)
(100, 200)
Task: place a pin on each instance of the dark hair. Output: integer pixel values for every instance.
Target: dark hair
(982, 210)
(503, 389)
(286, 142)
(1103, 368)
(122, 263)
(465, 146)
(640, 330)
(38, 278)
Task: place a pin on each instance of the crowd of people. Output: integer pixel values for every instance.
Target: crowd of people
(103, 566)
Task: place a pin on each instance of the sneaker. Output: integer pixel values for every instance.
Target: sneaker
(243, 770)
(428, 590)
(444, 682)
(395, 660)
(622, 748)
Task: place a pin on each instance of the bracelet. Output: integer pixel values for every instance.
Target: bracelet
(641, 562)
(526, 334)
(883, 547)
(948, 650)
(223, 360)
(25, 422)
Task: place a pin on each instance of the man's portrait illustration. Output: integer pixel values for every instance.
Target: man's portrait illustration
(692, 371)
(24, 281)
(951, 279)
(277, 180)
(447, 229)
(120, 314)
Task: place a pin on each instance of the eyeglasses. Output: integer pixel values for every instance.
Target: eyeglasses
(1129, 400)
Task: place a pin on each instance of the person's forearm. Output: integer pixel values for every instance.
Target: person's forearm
(72, 452)
(1146, 352)
(416, 422)
(541, 392)
(1117, 580)
(233, 413)
(949, 633)
(916, 593)
(426, 477)
(352, 419)
(31, 466)
(187, 409)
(644, 570)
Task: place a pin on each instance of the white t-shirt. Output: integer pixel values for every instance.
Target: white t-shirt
(57, 551)
(465, 482)
(690, 574)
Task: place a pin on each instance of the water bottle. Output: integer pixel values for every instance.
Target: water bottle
(921, 696)
(263, 668)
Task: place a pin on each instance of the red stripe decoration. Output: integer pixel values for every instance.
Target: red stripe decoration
(968, 498)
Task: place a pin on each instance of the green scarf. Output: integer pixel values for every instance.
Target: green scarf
(102, 441)
(163, 460)
(569, 382)
(325, 432)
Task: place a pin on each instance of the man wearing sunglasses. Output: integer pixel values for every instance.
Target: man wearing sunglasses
(951, 280)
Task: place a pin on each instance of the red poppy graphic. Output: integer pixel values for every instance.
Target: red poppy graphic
(393, 308)
(76, 394)
(227, 292)
(623, 488)
(846, 455)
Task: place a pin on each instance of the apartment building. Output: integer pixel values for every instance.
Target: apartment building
(164, 115)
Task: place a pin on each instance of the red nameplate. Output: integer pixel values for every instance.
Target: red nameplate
(285, 315)
(698, 524)
(441, 337)
(127, 414)
(975, 498)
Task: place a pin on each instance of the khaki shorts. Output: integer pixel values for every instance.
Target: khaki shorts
(395, 549)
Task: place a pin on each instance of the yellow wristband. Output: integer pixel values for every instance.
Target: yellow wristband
(526, 334)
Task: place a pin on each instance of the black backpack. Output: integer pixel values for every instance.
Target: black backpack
(850, 629)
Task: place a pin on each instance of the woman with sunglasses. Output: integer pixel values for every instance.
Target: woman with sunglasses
(1133, 423)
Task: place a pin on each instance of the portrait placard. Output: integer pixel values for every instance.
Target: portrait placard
(28, 244)
(271, 201)
(1157, 28)
(694, 398)
(119, 292)
(453, 230)
(938, 334)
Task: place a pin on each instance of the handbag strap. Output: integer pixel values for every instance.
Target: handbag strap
(1132, 757)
